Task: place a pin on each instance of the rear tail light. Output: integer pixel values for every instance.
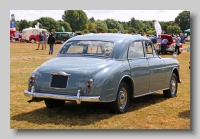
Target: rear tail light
(31, 81)
(89, 85)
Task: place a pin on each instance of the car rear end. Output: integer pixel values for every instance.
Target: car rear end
(170, 46)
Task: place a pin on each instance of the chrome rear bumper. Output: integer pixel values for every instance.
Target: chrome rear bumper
(168, 49)
(78, 98)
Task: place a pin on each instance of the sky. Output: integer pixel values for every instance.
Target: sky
(119, 15)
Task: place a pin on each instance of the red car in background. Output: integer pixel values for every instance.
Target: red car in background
(12, 34)
(170, 45)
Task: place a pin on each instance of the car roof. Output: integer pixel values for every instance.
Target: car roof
(109, 37)
(121, 41)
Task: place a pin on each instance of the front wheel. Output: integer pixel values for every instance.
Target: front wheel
(121, 103)
(172, 91)
(52, 103)
(32, 41)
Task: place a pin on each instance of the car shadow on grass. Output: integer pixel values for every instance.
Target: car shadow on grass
(185, 114)
(84, 114)
(145, 101)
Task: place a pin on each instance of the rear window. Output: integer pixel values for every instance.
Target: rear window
(100, 48)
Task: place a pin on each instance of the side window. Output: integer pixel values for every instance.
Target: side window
(65, 35)
(150, 51)
(59, 36)
(135, 50)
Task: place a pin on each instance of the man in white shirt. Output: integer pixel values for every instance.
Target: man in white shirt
(16, 36)
(159, 39)
(178, 40)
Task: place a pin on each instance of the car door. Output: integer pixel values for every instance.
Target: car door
(157, 68)
(139, 68)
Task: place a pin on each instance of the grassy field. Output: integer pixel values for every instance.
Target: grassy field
(148, 112)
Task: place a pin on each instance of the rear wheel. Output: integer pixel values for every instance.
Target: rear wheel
(32, 41)
(121, 103)
(172, 91)
(52, 103)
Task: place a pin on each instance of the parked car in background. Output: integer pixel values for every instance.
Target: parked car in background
(61, 37)
(13, 32)
(107, 68)
(170, 45)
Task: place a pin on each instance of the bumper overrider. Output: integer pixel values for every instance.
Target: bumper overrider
(78, 98)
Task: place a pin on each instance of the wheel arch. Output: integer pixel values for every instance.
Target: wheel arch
(32, 39)
(175, 70)
(130, 84)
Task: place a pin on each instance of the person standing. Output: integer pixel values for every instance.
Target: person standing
(16, 36)
(45, 39)
(51, 41)
(41, 41)
(159, 39)
(182, 38)
(146, 43)
(178, 40)
(164, 45)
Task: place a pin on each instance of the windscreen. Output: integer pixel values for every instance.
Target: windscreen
(100, 48)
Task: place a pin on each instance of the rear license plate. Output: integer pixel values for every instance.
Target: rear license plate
(59, 81)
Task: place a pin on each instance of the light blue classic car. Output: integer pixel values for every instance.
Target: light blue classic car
(103, 67)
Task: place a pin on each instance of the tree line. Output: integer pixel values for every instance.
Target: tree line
(77, 21)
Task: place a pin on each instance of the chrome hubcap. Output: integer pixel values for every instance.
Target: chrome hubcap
(122, 98)
(173, 85)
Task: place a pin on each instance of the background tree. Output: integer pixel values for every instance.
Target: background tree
(151, 32)
(164, 25)
(173, 29)
(76, 18)
(65, 25)
(93, 30)
(132, 22)
(91, 26)
(48, 23)
(137, 24)
(141, 31)
(112, 24)
(91, 20)
(183, 20)
(132, 30)
(112, 30)
(22, 24)
(148, 25)
(124, 24)
(101, 26)
(85, 31)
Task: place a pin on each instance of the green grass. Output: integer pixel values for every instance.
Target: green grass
(148, 112)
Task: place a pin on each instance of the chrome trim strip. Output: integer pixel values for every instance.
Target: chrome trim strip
(78, 98)
(150, 92)
(61, 73)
